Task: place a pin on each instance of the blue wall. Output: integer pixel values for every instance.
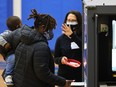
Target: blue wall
(56, 8)
(5, 12)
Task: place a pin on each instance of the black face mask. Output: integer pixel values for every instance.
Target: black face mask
(73, 25)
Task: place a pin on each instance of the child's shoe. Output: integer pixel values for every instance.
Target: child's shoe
(8, 80)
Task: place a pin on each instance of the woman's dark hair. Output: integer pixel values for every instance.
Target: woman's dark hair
(78, 17)
(13, 22)
(43, 19)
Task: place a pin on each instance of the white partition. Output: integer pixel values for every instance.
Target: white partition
(114, 45)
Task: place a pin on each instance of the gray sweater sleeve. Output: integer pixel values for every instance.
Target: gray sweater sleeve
(2, 35)
(2, 41)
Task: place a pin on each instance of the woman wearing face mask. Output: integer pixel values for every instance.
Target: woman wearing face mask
(69, 45)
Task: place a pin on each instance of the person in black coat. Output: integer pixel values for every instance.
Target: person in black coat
(34, 64)
(69, 45)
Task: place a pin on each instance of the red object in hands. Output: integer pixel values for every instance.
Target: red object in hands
(73, 63)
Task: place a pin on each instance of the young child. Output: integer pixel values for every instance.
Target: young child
(12, 23)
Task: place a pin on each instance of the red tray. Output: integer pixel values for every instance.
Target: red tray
(73, 63)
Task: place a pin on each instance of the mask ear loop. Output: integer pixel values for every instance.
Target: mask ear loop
(47, 22)
(69, 26)
(46, 30)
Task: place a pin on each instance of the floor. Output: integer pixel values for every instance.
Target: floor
(1, 80)
(2, 65)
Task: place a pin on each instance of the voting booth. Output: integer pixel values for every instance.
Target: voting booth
(99, 43)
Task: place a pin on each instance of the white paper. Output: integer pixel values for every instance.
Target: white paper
(77, 83)
(74, 45)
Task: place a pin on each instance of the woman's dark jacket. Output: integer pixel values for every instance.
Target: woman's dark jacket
(63, 48)
(34, 63)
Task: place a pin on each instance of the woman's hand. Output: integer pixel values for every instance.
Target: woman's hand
(66, 30)
(64, 60)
